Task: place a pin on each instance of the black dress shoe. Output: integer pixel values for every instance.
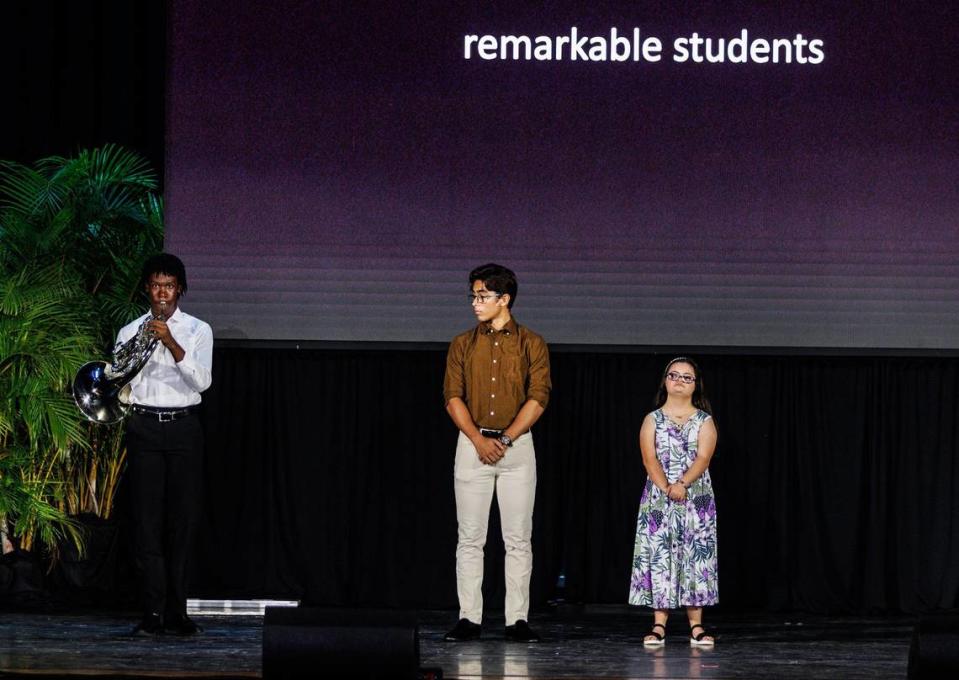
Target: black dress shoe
(181, 624)
(521, 632)
(464, 630)
(152, 624)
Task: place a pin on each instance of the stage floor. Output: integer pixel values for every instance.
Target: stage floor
(591, 642)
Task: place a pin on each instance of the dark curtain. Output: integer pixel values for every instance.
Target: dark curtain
(329, 478)
(82, 74)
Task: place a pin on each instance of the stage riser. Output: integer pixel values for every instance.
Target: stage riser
(322, 643)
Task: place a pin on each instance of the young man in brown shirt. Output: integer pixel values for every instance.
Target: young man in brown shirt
(497, 385)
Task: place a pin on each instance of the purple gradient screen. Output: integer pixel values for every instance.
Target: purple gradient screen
(334, 171)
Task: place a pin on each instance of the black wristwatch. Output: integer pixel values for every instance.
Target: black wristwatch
(506, 439)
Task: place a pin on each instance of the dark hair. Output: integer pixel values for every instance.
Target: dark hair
(164, 263)
(699, 393)
(498, 279)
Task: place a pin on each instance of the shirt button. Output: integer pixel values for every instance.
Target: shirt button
(492, 413)
(495, 344)
(492, 396)
(494, 361)
(494, 379)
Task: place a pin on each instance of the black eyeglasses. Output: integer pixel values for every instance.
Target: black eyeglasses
(684, 377)
(482, 299)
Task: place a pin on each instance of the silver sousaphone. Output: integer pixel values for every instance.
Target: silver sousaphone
(98, 387)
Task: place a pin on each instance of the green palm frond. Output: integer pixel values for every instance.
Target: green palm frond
(122, 298)
(24, 501)
(19, 237)
(13, 293)
(53, 418)
(73, 234)
(112, 164)
(152, 207)
(29, 192)
(6, 424)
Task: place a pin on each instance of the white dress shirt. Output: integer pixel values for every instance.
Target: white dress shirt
(165, 383)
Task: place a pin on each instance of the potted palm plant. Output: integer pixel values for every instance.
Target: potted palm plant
(73, 232)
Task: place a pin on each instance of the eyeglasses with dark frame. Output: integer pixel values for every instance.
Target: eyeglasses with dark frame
(482, 299)
(684, 377)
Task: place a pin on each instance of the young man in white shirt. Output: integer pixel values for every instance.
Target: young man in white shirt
(165, 446)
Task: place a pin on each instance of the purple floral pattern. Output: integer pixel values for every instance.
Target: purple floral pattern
(675, 559)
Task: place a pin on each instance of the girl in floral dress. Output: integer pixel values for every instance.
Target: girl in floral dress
(675, 559)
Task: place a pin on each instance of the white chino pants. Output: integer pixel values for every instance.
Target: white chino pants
(514, 480)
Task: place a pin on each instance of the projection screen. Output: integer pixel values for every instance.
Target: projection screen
(717, 174)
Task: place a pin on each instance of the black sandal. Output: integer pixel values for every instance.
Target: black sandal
(657, 639)
(700, 640)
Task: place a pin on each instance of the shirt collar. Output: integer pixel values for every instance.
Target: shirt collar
(486, 328)
(176, 317)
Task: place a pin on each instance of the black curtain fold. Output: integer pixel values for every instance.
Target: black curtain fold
(329, 479)
(83, 74)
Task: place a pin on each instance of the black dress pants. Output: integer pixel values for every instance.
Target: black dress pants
(165, 464)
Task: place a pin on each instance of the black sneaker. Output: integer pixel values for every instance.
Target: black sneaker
(182, 625)
(464, 630)
(152, 624)
(520, 632)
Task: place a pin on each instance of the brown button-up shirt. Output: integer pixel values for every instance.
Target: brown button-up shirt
(496, 372)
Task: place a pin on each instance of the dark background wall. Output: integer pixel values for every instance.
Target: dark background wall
(329, 470)
(329, 478)
(82, 74)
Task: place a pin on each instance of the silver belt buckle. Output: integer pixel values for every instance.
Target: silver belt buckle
(167, 417)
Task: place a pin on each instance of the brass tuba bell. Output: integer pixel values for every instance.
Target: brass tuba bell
(98, 385)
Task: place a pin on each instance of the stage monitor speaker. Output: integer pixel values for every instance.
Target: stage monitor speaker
(935, 647)
(309, 642)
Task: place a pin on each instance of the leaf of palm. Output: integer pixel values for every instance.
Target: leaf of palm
(35, 515)
(19, 238)
(73, 233)
(96, 168)
(122, 299)
(12, 295)
(29, 192)
(112, 164)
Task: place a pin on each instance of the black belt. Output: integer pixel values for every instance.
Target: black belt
(164, 415)
(490, 434)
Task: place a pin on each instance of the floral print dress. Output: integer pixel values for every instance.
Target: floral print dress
(675, 559)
